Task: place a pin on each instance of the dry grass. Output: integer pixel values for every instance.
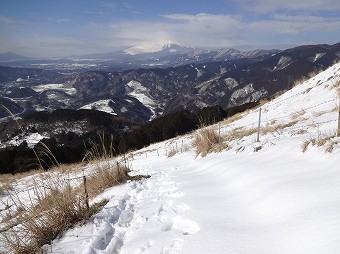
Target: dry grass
(307, 90)
(206, 141)
(56, 206)
(310, 75)
(174, 146)
(171, 152)
(5, 187)
(239, 133)
(100, 151)
(7, 180)
(299, 81)
(106, 176)
(298, 115)
(331, 145)
(320, 113)
(320, 142)
(132, 154)
(55, 209)
(233, 118)
(271, 128)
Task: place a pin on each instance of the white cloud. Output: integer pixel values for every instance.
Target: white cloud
(9, 21)
(197, 30)
(109, 5)
(59, 20)
(201, 30)
(265, 6)
(208, 30)
(281, 24)
(5, 20)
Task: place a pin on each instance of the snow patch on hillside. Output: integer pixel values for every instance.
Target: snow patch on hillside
(245, 95)
(61, 87)
(283, 63)
(101, 105)
(318, 56)
(31, 139)
(138, 91)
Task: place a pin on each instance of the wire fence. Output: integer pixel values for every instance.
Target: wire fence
(226, 129)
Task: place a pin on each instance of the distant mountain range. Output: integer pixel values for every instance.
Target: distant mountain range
(10, 56)
(147, 56)
(144, 93)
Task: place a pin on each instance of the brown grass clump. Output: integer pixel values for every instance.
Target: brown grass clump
(233, 118)
(206, 141)
(298, 115)
(277, 126)
(55, 209)
(56, 206)
(171, 152)
(6, 180)
(307, 90)
(320, 142)
(300, 80)
(100, 151)
(106, 176)
(240, 133)
(331, 145)
(312, 74)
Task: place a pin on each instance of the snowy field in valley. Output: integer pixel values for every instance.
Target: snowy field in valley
(61, 87)
(101, 105)
(280, 194)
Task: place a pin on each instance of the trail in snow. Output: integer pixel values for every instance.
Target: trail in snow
(144, 204)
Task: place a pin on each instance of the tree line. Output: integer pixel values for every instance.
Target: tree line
(70, 147)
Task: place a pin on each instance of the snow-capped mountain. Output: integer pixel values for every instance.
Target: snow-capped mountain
(164, 47)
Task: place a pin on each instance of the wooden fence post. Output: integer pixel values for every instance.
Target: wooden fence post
(86, 194)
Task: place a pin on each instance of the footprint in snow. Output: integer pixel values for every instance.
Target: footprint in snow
(165, 206)
(187, 227)
(144, 249)
(177, 194)
(181, 208)
(175, 248)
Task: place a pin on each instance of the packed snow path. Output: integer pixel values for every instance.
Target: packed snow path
(244, 203)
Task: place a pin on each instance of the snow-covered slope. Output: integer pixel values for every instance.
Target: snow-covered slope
(101, 105)
(136, 90)
(280, 194)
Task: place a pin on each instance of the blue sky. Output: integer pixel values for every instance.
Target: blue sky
(50, 28)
